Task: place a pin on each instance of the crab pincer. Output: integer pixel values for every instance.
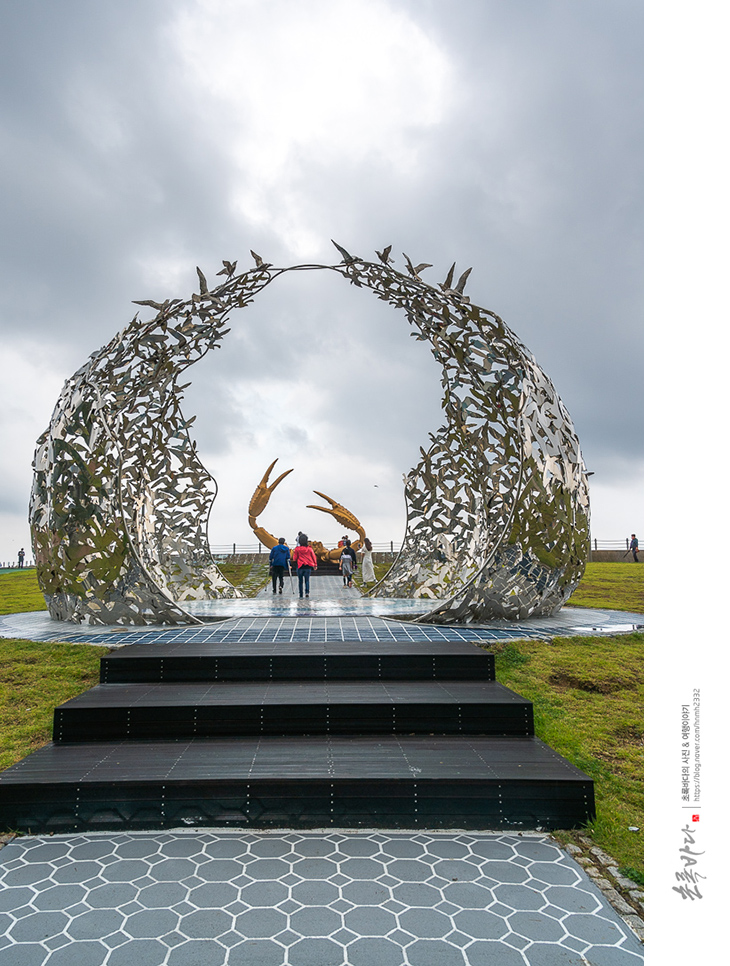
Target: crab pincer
(262, 493)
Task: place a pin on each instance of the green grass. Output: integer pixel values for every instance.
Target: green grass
(34, 678)
(19, 592)
(587, 694)
(616, 586)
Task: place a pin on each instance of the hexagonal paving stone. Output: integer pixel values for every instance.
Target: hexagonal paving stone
(315, 846)
(95, 924)
(490, 849)
(318, 893)
(362, 868)
(504, 872)
(257, 952)
(205, 924)
(138, 952)
(127, 870)
(468, 895)
(361, 893)
(39, 927)
(536, 926)
(403, 849)
(606, 956)
(548, 954)
(425, 952)
(519, 897)
(553, 873)
(264, 894)
(410, 870)
(481, 924)
(370, 921)
(138, 849)
(219, 870)
(78, 954)
(448, 849)
(417, 894)
(226, 849)
(60, 897)
(315, 952)
(213, 895)
(151, 923)
(486, 953)
(369, 952)
(93, 849)
(30, 874)
(359, 847)
(15, 898)
(314, 868)
(47, 852)
(197, 952)
(32, 955)
(270, 848)
(538, 851)
(425, 923)
(260, 923)
(456, 870)
(162, 895)
(593, 929)
(111, 896)
(572, 900)
(185, 847)
(315, 921)
(173, 870)
(267, 868)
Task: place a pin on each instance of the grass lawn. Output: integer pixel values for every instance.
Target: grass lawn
(587, 694)
(34, 678)
(616, 586)
(19, 592)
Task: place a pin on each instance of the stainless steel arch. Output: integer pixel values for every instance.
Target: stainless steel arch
(498, 511)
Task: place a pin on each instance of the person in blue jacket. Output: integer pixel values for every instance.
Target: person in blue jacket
(278, 560)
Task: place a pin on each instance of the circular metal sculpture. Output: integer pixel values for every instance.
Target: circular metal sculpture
(497, 507)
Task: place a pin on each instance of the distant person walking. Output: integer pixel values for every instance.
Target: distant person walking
(368, 571)
(278, 559)
(348, 563)
(306, 561)
(634, 547)
(21, 557)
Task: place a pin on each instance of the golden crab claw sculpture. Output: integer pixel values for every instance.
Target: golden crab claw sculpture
(342, 515)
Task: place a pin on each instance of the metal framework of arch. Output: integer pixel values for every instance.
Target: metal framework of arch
(497, 507)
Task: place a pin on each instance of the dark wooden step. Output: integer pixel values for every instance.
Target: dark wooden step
(374, 782)
(157, 711)
(298, 661)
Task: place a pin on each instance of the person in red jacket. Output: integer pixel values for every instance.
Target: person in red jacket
(306, 561)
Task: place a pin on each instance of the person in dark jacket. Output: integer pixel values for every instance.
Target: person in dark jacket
(278, 559)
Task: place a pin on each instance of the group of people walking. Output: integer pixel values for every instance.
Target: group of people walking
(304, 560)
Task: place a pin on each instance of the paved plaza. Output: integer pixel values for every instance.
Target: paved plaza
(337, 897)
(228, 898)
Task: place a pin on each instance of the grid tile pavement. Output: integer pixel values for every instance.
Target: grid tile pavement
(329, 898)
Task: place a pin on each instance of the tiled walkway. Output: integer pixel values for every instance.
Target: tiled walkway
(211, 898)
(329, 614)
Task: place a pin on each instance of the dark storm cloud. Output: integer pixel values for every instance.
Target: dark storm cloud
(509, 141)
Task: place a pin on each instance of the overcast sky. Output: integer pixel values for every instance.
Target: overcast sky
(143, 139)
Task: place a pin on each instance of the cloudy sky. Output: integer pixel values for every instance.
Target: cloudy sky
(143, 139)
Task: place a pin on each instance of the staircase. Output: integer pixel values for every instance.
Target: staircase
(297, 735)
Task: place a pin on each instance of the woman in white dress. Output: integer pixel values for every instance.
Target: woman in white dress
(368, 571)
